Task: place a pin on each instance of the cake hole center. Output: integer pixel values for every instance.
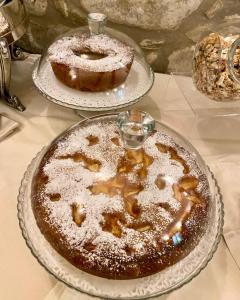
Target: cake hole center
(89, 55)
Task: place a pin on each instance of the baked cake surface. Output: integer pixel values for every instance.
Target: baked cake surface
(119, 213)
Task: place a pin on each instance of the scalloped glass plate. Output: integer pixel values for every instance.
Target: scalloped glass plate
(163, 282)
(138, 83)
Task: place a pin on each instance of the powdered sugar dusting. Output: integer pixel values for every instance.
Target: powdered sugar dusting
(71, 179)
(118, 55)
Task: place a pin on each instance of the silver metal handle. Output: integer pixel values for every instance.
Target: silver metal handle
(5, 76)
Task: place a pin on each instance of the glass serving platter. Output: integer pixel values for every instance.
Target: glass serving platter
(138, 83)
(160, 283)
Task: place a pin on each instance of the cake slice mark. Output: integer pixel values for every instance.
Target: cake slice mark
(92, 165)
(78, 214)
(173, 155)
(92, 139)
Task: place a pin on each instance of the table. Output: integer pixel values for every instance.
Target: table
(217, 139)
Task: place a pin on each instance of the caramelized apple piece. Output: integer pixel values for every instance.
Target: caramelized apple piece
(173, 155)
(77, 157)
(78, 214)
(132, 189)
(111, 224)
(147, 160)
(142, 173)
(124, 167)
(116, 230)
(160, 182)
(141, 226)
(165, 206)
(93, 140)
(99, 188)
(177, 192)
(144, 228)
(94, 167)
(117, 182)
(132, 207)
(111, 187)
(115, 141)
(194, 198)
(54, 197)
(89, 163)
(162, 148)
(135, 156)
(188, 183)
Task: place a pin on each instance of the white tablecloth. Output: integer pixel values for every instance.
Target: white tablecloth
(216, 138)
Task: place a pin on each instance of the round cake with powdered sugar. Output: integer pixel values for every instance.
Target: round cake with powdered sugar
(90, 62)
(115, 212)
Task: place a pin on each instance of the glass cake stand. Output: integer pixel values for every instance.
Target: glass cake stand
(138, 83)
(160, 283)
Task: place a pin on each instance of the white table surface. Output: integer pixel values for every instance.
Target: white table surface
(216, 138)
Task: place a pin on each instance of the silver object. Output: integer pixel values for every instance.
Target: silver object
(14, 21)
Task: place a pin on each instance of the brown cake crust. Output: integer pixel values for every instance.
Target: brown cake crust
(124, 262)
(82, 73)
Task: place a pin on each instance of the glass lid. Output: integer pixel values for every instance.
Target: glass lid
(93, 68)
(131, 198)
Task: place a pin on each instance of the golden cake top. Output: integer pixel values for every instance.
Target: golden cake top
(69, 51)
(105, 199)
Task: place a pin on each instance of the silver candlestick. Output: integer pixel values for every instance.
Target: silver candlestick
(13, 23)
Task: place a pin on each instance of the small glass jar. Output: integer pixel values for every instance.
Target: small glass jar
(216, 67)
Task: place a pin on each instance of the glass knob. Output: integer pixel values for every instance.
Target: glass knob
(135, 126)
(96, 23)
